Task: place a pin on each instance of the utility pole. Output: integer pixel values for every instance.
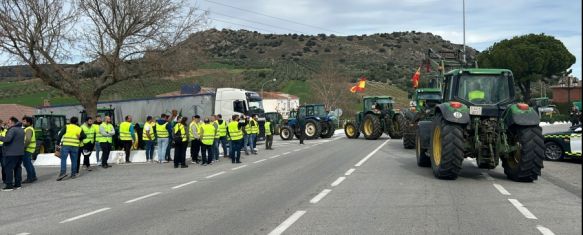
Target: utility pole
(464, 25)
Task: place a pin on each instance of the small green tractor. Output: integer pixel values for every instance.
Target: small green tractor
(423, 100)
(480, 118)
(378, 116)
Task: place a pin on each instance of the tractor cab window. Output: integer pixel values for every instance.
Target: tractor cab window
(483, 89)
(41, 123)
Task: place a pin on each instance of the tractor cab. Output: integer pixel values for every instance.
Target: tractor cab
(378, 104)
(47, 127)
(426, 98)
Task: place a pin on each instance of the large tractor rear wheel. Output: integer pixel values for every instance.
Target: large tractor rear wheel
(371, 127)
(312, 129)
(447, 148)
(286, 133)
(351, 131)
(327, 130)
(421, 153)
(524, 164)
(396, 132)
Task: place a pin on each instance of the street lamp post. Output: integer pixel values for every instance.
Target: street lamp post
(273, 80)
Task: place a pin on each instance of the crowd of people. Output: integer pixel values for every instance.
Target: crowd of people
(78, 141)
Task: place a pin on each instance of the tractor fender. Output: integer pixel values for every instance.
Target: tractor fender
(450, 114)
(425, 130)
(516, 116)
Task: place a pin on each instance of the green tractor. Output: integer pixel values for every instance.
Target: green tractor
(480, 118)
(276, 121)
(378, 116)
(423, 101)
(46, 128)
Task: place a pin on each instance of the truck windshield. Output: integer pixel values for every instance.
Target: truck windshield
(483, 89)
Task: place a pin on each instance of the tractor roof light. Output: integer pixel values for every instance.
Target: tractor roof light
(522, 106)
(455, 104)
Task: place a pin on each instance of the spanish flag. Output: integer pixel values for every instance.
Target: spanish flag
(360, 85)
(415, 78)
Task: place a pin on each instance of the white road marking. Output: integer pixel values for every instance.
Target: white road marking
(84, 215)
(297, 150)
(320, 195)
(213, 175)
(23, 234)
(370, 154)
(239, 167)
(544, 230)
(182, 185)
(338, 181)
(274, 156)
(349, 171)
(522, 209)
(143, 197)
(287, 223)
(285, 153)
(258, 161)
(501, 189)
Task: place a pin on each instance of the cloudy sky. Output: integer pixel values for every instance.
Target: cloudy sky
(486, 21)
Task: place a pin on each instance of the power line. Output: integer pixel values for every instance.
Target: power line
(252, 21)
(274, 17)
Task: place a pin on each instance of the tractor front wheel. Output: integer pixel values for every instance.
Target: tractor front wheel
(447, 148)
(351, 131)
(525, 162)
(286, 133)
(312, 129)
(371, 127)
(395, 131)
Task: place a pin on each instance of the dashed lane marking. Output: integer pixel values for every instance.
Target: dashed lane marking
(523, 210)
(143, 197)
(349, 171)
(258, 161)
(216, 174)
(286, 153)
(23, 234)
(320, 195)
(239, 167)
(85, 215)
(276, 156)
(338, 181)
(370, 154)
(287, 223)
(501, 189)
(544, 230)
(182, 185)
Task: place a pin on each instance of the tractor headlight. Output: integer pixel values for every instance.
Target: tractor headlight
(457, 115)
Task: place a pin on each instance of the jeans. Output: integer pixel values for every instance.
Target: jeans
(149, 150)
(195, 150)
(207, 153)
(168, 148)
(27, 163)
(251, 142)
(235, 153)
(223, 143)
(245, 142)
(216, 149)
(162, 146)
(254, 136)
(13, 170)
(97, 150)
(69, 151)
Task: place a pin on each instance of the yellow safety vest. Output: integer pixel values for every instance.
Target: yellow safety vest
(255, 128)
(267, 128)
(124, 131)
(217, 135)
(180, 127)
(152, 135)
(248, 128)
(161, 131)
(70, 138)
(223, 129)
(32, 146)
(198, 128)
(98, 135)
(234, 131)
(208, 136)
(2, 133)
(108, 128)
(476, 94)
(89, 133)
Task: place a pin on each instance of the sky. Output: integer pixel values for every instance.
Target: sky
(487, 22)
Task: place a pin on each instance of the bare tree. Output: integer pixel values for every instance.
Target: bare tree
(122, 39)
(329, 86)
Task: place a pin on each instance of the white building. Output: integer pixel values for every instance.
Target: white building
(280, 102)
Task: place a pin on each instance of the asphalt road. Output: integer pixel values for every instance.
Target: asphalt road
(334, 186)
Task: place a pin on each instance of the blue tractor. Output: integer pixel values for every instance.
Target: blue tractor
(317, 123)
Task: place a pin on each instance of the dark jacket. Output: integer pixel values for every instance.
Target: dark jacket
(14, 141)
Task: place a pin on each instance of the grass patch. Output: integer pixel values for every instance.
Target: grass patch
(300, 89)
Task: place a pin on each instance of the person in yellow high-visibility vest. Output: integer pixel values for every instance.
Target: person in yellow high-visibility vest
(215, 122)
(88, 143)
(3, 131)
(149, 138)
(70, 140)
(195, 128)
(180, 144)
(268, 134)
(30, 148)
(126, 136)
(254, 125)
(208, 138)
(105, 139)
(222, 131)
(235, 133)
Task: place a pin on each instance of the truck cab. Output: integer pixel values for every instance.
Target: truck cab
(231, 101)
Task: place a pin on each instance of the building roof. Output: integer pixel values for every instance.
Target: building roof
(278, 96)
(18, 111)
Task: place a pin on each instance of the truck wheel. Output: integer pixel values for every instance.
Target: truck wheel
(421, 153)
(312, 129)
(524, 164)
(553, 152)
(286, 133)
(396, 131)
(371, 127)
(329, 130)
(447, 148)
(351, 131)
